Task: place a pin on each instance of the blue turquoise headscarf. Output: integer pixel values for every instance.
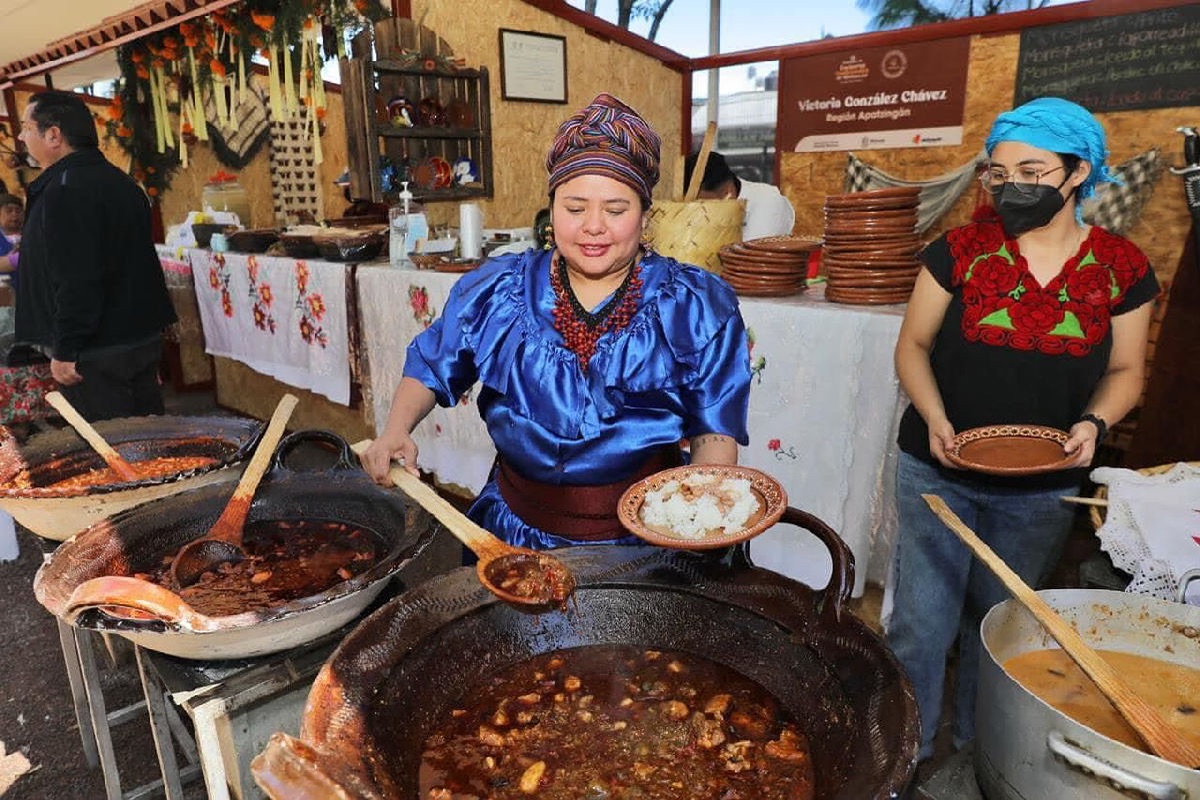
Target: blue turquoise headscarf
(1059, 126)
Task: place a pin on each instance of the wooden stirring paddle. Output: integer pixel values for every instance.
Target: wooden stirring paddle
(1162, 738)
(548, 581)
(223, 542)
(120, 466)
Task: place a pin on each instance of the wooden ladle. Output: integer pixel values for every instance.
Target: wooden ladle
(223, 542)
(123, 469)
(1164, 741)
(501, 566)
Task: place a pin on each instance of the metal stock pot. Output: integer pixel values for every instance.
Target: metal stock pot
(91, 572)
(1027, 750)
(382, 691)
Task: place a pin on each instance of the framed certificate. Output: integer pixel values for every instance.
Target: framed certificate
(533, 66)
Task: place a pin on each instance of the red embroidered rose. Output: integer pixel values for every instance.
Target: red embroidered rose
(1053, 345)
(773, 445)
(1121, 256)
(1092, 285)
(974, 240)
(994, 275)
(1035, 313)
(989, 334)
(1022, 341)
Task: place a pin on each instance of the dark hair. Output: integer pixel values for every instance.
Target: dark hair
(10, 200)
(67, 112)
(716, 172)
(1071, 163)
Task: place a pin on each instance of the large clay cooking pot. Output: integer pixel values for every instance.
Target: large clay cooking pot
(1027, 749)
(75, 583)
(382, 691)
(27, 473)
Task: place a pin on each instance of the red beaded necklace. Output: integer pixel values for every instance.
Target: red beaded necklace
(580, 328)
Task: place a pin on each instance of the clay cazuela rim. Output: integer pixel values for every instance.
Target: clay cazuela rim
(770, 494)
(1010, 449)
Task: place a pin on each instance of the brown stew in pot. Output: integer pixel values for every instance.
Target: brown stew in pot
(286, 560)
(144, 470)
(614, 722)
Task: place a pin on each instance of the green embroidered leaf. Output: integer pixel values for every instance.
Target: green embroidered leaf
(1068, 327)
(998, 319)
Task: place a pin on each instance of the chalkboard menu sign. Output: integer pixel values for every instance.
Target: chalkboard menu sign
(1146, 60)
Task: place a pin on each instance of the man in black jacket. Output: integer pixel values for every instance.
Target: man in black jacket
(91, 294)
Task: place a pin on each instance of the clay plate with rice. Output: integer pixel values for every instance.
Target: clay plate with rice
(701, 507)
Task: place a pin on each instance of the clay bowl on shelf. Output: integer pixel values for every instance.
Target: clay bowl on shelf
(203, 231)
(361, 246)
(254, 240)
(299, 245)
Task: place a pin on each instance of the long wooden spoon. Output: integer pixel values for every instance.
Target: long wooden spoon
(123, 469)
(516, 575)
(1156, 732)
(223, 542)
(693, 187)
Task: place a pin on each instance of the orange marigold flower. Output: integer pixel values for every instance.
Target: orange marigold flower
(187, 128)
(321, 112)
(137, 56)
(264, 21)
(142, 72)
(217, 68)
(152, 191)
(124, 131)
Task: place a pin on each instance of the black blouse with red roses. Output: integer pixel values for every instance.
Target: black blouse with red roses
(1013, 351)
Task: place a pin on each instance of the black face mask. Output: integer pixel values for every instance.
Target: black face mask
(1021, 210)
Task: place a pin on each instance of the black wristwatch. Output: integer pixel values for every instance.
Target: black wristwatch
(1101, 426)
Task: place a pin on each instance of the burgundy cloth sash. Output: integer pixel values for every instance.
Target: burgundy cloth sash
(581, 513)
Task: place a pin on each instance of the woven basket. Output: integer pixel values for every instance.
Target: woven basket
(1096, 513)
(693, 232)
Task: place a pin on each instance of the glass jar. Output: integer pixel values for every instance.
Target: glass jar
(228, 195)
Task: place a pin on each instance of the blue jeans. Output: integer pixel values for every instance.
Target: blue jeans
(941, 591)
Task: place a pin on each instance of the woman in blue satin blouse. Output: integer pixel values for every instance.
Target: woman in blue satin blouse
(595, 358)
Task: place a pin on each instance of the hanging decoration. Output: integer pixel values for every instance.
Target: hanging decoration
(174, 82)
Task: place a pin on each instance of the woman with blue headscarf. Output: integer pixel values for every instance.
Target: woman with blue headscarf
(1032, 317)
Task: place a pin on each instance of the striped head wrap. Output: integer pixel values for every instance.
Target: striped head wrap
(606, 138)
(1059, 126)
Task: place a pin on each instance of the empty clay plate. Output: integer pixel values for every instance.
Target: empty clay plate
(1010, 449)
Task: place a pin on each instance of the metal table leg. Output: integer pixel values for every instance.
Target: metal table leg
(66, 640)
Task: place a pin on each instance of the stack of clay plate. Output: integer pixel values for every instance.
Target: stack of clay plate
(870, 246)
(773, 266)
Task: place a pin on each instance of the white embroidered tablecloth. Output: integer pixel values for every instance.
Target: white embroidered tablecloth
(824, 406)
(279, 316)
(1152, 527)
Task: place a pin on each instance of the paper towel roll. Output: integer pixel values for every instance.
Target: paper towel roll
(470, 230)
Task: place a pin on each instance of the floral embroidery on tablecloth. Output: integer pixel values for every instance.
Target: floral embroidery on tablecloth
(418, 299)
(757, 365)
(780, 452)
(218, 280)
(311, 306)
(1003, 304)
(261, 297)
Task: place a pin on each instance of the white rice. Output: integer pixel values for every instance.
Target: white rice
(700, 505)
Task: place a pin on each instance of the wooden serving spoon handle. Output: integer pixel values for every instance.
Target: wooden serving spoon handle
(1158, 734)
(90, 435)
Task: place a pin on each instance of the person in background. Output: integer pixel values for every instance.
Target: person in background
(768, 213)
(92, 294)
(12, 217)
(594, 357)
(1031, 317)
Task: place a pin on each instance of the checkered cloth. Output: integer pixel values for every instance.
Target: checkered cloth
(1116, 207)
(937, 195)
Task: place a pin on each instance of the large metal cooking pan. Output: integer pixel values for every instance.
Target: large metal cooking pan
(1025, 748)
(76, 582)
(380, 694)
(57, 455)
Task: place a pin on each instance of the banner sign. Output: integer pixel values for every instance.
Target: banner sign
(1146, 60)
(876, 98)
